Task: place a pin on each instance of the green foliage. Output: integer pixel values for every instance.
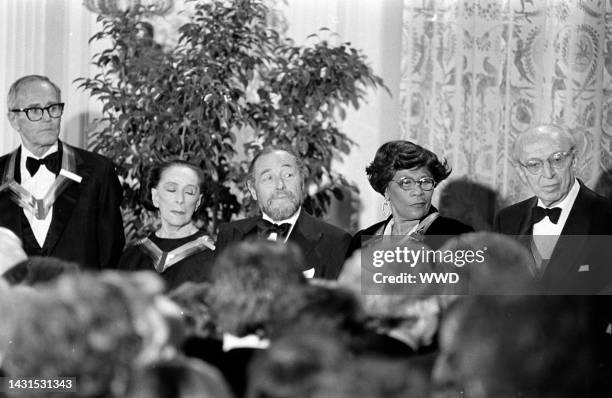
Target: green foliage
(230, 74)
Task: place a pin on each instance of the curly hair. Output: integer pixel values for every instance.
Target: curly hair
(401, 155)
(155, 174)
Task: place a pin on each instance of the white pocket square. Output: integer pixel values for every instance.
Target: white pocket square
(584, 268)
(309, 273)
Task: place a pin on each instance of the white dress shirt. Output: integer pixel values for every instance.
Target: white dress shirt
(291, 220)
(38, 185)
(309, 273)
(545, 232)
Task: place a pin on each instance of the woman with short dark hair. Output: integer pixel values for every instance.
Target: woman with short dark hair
(179, 251)
(406, 175)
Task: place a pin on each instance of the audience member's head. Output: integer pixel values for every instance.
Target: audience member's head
(504, 268)
(11, 250)
(407, 313)
(193, 299)
(247, 278)
(38, 269)
(178, 378)
(366, 377)
(315, 307)
(294, 365)
(156, 318)
(80, 327)
(509, 346)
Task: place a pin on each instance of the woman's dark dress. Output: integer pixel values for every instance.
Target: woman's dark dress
(195, 268)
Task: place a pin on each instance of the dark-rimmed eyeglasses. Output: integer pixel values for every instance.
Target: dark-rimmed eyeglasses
(407, 183)
(35, 113)
(557, 161)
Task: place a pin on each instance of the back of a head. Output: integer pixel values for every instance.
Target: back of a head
(78, 327)
(178, 378)
(193, 299)
(295, 365)
(504, 268)
(317, 307)
(247, 278)
(531, 346)
(374, 377)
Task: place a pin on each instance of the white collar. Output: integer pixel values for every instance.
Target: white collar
(291, 220)
(231, 342)
(26, 153)
(566, 204)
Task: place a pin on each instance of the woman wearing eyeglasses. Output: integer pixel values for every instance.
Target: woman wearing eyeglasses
(406, 174)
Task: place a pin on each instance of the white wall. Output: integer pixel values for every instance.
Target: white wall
(47, 37)
(375, 27)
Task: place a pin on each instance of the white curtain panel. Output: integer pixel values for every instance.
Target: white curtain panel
(475, 74)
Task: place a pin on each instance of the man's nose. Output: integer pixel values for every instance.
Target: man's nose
(280, 183)
(45, 115)
(547, 170)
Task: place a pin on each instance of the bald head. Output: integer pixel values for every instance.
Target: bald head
(542, 132)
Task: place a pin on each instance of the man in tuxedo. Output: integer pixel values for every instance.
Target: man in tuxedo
(276, 182)
(61, 201)
(566, 226)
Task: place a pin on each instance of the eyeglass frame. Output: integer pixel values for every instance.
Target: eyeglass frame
(42, 114)
(566, 155)
(416, 183)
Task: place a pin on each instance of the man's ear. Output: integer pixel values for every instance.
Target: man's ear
(12, 118)
(252, 189)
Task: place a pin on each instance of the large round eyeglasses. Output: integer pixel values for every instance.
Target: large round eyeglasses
(407, 183)
(557, 161)
(35, 113)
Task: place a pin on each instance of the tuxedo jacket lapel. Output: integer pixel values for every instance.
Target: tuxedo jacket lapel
(573, 237)
(524, 222)
(65, 203)
(307, 237)
(10, 212)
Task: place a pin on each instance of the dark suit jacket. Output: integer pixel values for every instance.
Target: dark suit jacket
(323, 245)
(580, 262)
(86, 226)
(435, 235)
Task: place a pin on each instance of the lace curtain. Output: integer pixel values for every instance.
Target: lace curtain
(475, 74)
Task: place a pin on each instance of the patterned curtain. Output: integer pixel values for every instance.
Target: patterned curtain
(475, 74)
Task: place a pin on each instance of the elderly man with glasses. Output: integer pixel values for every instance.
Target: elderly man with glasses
(566, 226)
(59, 200)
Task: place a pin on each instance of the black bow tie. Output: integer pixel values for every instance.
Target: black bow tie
(265, 228)
(538, 213)
(51, 162)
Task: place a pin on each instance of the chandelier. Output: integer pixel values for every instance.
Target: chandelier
(113, 7)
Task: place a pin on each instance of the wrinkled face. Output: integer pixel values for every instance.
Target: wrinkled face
(550, 184)
(177, 195)
(277, 185)
(412, 204)
(42, 133)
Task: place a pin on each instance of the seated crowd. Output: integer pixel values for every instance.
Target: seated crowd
(281, 305)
